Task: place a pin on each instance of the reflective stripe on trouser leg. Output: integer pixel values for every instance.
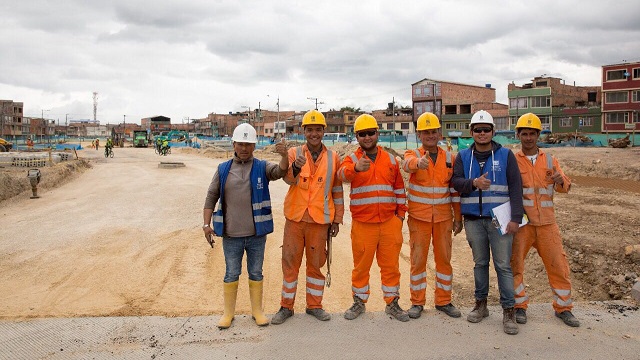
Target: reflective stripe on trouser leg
(419, 241)
(292, 250)
(364, 241)
(523, 240)
(315, 236)
(442, 241)
(388, 254)
(549, 246)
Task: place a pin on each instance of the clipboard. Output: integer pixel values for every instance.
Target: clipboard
(501, 216)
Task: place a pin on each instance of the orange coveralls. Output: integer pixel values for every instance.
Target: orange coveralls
(432, 206)
(378, 200)
(313, 202)
(542, 231)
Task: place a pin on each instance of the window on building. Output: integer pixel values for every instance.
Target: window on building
(617, 117)
(636, 73)
(523, 102)
(542, 84)
(451, 126)
(617, 97)
(635, 96)
(389, 126)
(635, 117)
(513, 120)
(591, 96)
(417, 90)
(467, 126)
(450, 109)
(404, 126)
(565, 122)
(540, 101)
(502, 123)
(613, 75)
(465, 109)
(546, 122)
(587, 121)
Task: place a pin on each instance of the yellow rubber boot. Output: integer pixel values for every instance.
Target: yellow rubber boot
(230, 295)
(255, 293)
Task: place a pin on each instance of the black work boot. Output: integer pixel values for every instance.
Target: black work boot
(281, 316)
(450, 310)
(568, 318)
(479, 312)
(521, 316)
(356, 309)
(509, 321)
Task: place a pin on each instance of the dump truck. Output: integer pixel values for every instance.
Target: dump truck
(140, 138)
(5, 145)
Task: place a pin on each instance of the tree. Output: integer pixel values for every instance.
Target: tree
(349, 109)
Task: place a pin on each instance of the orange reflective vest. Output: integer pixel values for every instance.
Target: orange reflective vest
(378, 193)
(430, 195)
(316, 190)
(538, 188)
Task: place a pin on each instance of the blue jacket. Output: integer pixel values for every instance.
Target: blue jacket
(260, 198)
(480, 203)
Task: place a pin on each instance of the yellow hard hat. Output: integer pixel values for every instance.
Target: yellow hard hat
(365, 121)
(530, 121)
(428, 121)
(313, 117)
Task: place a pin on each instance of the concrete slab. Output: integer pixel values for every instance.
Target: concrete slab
(609, 331)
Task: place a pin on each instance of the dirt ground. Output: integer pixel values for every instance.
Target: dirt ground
(122, 237)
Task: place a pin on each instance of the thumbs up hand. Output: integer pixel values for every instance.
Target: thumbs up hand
(557, 177)
(281, 148)
(363, 164)
(423, 163)
(482, 182)
(300, 161)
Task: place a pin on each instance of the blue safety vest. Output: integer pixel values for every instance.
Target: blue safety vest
(260, 198)
(498, 193)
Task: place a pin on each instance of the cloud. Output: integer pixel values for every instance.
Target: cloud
(191, 58)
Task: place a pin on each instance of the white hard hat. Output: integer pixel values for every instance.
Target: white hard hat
(245, 133)
(482, 117)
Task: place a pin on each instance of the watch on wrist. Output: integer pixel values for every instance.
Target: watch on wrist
(205, 226)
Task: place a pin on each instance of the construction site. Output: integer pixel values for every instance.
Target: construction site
(115, 245)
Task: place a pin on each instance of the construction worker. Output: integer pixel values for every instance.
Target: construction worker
(97, 143)
(486, 175)
(313, 208)
(541, 176)
(244, 221)
(434, 212)
(378, 207)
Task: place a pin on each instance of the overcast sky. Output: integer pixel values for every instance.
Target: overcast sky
(186, 59)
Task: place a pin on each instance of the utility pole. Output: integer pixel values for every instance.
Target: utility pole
(316, 100)
(393, 114)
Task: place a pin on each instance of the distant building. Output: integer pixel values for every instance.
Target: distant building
(394, 118)
(156, 124)
(455, 103)
(561, 108)
(11, 116)
(621, 92)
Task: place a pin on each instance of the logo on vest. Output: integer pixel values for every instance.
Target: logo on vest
(496, 166)
(319, 178)
(259, 185)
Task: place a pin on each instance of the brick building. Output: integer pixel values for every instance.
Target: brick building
(11, 117)
(156, 124)
(455, 103)
(621, 92)
(560, 107)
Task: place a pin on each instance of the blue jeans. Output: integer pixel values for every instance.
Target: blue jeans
(485, 241)
(234, 248)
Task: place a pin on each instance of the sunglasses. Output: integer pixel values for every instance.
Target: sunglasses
(367, 133)
(482, 130)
